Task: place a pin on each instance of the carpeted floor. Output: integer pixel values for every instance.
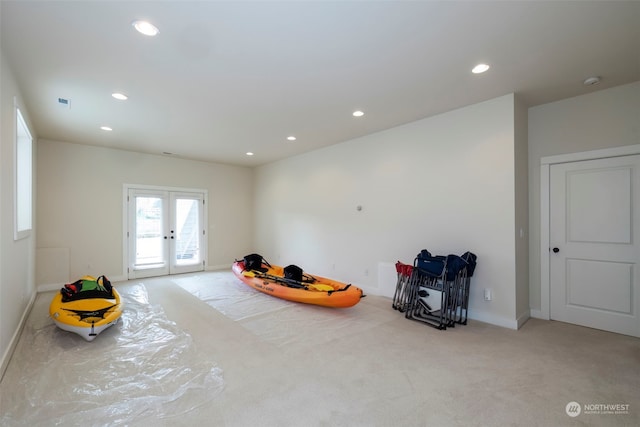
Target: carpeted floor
(204, 349)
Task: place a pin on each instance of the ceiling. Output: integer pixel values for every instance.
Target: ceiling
(225, 78)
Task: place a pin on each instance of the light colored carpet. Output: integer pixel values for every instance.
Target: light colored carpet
(204, 349)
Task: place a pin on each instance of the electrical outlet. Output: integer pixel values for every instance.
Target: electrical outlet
(487, 294)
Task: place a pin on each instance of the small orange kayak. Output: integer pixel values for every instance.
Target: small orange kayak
(313, 290)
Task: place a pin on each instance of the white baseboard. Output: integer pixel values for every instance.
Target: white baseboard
(57, 286)
(493, 319)
(522, 319)
(537, 314)
(16, 336)
(49, 287)
(500, 321)
(218, 267)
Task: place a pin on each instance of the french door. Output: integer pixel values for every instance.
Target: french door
(165, 232)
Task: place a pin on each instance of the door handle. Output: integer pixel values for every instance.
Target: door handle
(556, 250)
(165, 237)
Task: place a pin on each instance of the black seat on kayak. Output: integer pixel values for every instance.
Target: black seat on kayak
(293, 272)
(253, 262)
(87, 289)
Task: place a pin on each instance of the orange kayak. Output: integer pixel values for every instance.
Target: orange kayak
(317, 291)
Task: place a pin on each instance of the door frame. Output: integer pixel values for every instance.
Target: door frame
(545, 206)
(125, 218)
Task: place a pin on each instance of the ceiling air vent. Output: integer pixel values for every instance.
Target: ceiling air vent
(64, 102)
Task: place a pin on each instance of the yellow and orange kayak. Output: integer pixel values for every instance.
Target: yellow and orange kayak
(318, 290)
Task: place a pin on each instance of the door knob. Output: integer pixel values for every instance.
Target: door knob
(556, 250)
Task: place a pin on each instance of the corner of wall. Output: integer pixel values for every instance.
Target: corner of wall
(6, 356)
(521, 197)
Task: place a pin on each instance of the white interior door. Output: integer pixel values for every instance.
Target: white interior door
(594, 239)
(165, 232)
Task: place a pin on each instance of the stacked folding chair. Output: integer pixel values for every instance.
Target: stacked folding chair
(463, 282)
(402, 286)
(436, 291)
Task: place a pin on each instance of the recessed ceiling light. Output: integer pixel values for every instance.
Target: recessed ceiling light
(146, 28)
(291, 138)
(106, 128)
(358, 113)
(480, 68)
(120, 96)
(249, 153)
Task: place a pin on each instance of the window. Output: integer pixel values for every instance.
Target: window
(23, 168)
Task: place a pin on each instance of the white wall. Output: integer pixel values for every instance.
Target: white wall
(603, 119)
(17, 260)
(444, 183)
(80, 205)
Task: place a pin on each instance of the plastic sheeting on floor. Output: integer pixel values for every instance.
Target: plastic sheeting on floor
(143, 366)
(280, 322)
(364, 366)
(231, 297)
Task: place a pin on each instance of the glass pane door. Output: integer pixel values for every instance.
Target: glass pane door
(148, 240)
(186, 232)
(165, 232)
